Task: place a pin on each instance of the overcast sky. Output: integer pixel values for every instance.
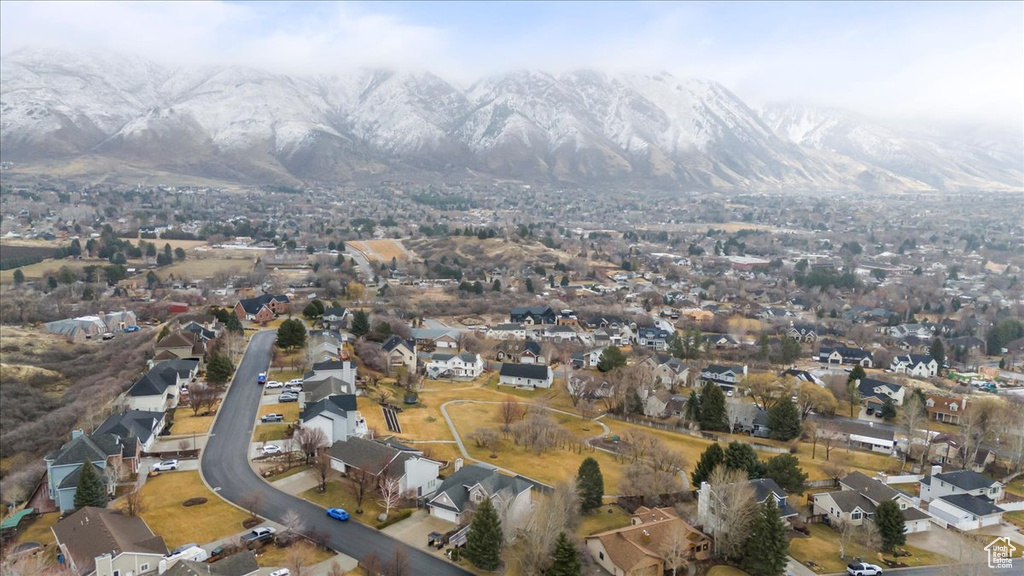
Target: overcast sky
(916, 60)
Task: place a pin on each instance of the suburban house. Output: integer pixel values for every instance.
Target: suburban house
(333, 315)
(532, 315)
(338, 416)
(64, 465)
(160, 388)
(417, 476)
(464, 366)
(205, 331)
(748, 418)
(803, 376)
(858, 497)
(803, 332)
(639, 549)
(240, 564)
(612, 336)
(316, 390)
(587, 359)
(344, 370)
(873, 393)
(607, 321)
(966, 512)
(77, 329)
(105, 542)
(947, 409)
(726, 377)
(653, 338)
(861, 435)
(262, 308)
(924, 330)
(325, 345)
(182, 344)
(144, 425)
(765, 488)
(559, 333)
(400, 352)
(508, 331)
(718, 341)
(431, 338)
(844, 355)
(526, 375)
(670, 370)
(939, 484)
(919, 365)
(468, 486)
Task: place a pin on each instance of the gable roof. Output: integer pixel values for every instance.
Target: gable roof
(131, 423)
(179, 339)
(873, 489)
(339, 404)
(943, 404)
(456, 487)
(966, 480)
(161, 377)
(532, 347)
(532, 311)
(718, 369)
(370, 456)
(531, 371)
(850, 500)
(90, 532)
(394, 342)
(241, 564)
(765, 487)
(867, 386)
(95, 448)
(253, 305)
(628, 546)
(973, 504)
(317, 390)
(330, 365)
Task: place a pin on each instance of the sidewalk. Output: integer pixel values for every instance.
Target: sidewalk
(296, 483)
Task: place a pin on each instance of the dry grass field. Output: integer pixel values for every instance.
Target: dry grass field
(165, 515)
(185, 422)
(380, 250)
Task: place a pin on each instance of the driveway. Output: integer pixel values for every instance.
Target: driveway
(226, 468)
(414, 529)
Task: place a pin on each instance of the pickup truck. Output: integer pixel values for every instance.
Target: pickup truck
(258, 536)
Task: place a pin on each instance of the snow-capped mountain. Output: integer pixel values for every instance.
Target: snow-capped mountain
(250, 125)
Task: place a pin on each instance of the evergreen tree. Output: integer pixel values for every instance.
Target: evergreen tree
(566, 558)
(938, 352)
(891, 525)
(713, 414)
(784, 420)
(529, 285)
(856, 374)
(234, 325)
(766, 551)
(590, 483)
(496, 285)
(888, 410)
(611, 359)
(310, 311)
(483, 542)
(291, 334)
(19, 276)
(709, 460)
(90, 491)
(219, 369)
(785, 470)
(741, 456)
(692, 409)
(360, 323)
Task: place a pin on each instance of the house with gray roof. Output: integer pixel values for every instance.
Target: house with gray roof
(316, 390)
(417, 476)
(141, 424)
(160, 389)
(240, 564)
(338, 416)
(462, 366)
(461, 492)
(526, 375)
(966, 512)
(64, 465)
(938, 484)
(858, 498)
(105, 542)
(747, 418)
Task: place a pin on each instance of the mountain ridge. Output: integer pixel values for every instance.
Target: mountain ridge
(251, 125)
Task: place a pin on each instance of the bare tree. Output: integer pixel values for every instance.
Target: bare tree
(390, 492)
(557, 512)
(201, 397)
(586, 409)
(675, 549)
(511, 411)
(360, 482)
(577, 388)
(911, 417)
(834, 470)
(731, 510)
(310, 440)
(133, 503)
(335, 569)
(975, 423)
(322, 469)
(292, 523)
(116, 471)
(847, 533)
(766, 389)
(486, 438)
(298, 557)
(383, 394)
(400, 563)
(829, 434)
(253, 502)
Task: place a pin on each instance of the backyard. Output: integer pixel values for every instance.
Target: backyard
(163, 511)
(822, 548)
(186, 422)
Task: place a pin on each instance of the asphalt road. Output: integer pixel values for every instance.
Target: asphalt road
(225, 467)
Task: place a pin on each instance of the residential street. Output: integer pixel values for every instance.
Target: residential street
(225, 467)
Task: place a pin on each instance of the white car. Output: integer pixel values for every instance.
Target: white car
(273, 384)
(295, 382)
(271, 449)
(281, 572)
(863, 569)
(166, 465)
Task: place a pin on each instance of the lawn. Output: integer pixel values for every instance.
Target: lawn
(163, 497)
(421, 422)
(284, 375)
(1016, 517)
(185, 422)
(267, 432)
(39, 530)
(274, 557)
(339, 495)
(726, 571)
(1016, 487)
(290, 410)
(912, 488)
(604, 518)
(822, 548)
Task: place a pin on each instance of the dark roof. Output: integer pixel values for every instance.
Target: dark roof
(456, 486)
(330, 365)
(178, 339)
(340, 404)
(335, 311)
(531, 371)
(973, 504)
(90, 532)
(531, 347)
(131, 423)
(369, 456)
(847, 500)
(532, 311)
(317, 390)
(162, 376)
(202, 332)
(607, 319)
(873, 489)
(966, 480)
(853, 353)
(867, 386)
(253, 305)
(95, 448)
(863, 429)
(763, 487)
(719, 369)
(394, 342)
(240, 564)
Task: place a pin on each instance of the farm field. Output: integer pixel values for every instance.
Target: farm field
(380, 250)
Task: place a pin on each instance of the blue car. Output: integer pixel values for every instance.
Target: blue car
(132, 328)
(337, 514)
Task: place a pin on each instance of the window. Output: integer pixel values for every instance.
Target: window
(601, 555)
(117, 573)
(994, 490)
(855, 516)
(144, 568)
(903, 505)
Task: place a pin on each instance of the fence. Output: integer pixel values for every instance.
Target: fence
(899, 478)
(663, 426)
(826, 483)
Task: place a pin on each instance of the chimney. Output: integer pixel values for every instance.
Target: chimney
(458, 464)
(77, 433)
(936, 469)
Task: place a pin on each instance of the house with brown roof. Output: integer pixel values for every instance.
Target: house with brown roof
(105, 542)
(639, 549)
(181, 344)
(947, 409)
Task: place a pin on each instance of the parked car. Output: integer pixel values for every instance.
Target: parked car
(281, 572)
(262, 378)
(337, 513)
(273, 384)
(165, 465)
(295, 382)
(263, 534)
(863, 569)
(271, 449)
(286, 397)
(292, 388)
(108, 336)
(274, 417)
(132, 328)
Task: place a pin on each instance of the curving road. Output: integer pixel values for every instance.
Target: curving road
(225, 467)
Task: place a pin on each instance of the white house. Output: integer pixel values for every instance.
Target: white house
(969, 482)
(653, 338)
(844, 355)
(669, 369)
(508, 331)
(337, 416)
(860, 435)
(526, 375)
(877, 391)
(966, 512)
(918, 365)
(727, 377)
(417, 476)
(461, 492)
(464, 366)
(160, 388)
(105, 542)
(858, 498)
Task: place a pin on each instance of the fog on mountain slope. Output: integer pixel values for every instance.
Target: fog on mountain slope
(250, 125)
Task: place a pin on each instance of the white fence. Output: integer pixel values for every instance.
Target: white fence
(899, 479)
(1011, 506)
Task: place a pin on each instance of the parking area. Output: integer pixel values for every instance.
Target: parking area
(415, 529)
(146, 464)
